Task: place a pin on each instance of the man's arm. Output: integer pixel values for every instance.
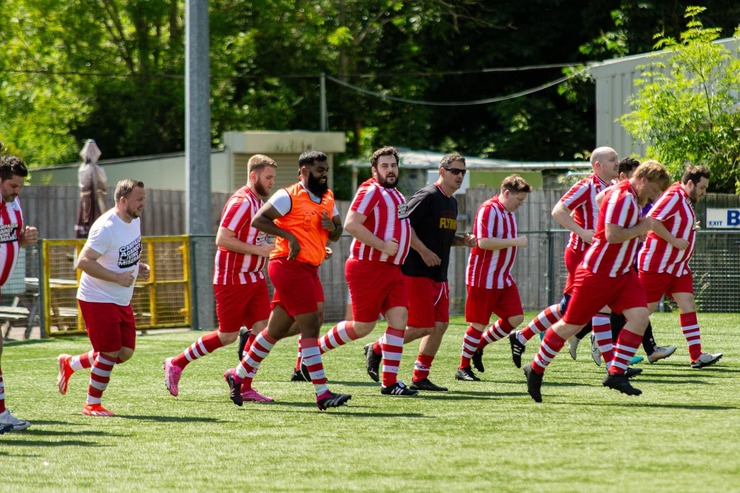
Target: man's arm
(501, 243)
(429, 257)
(88, 263)
(333, 226)
(620, 234)
(659, 229)
(225, 238)
(561, 214)
(355, 225)
(264, 220)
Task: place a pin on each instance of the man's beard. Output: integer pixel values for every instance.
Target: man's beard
(385, 183)
(261, 190)
(315, 186)
(132, 213)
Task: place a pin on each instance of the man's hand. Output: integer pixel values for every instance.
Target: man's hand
(125, 279)
(294, 247)
(390, 247)
(430, 258)
(588, 236)
(144, 271)
(266, 249)
(327, 223)
(522, 242)
(30, 235)
(470, 240)
(680, 244)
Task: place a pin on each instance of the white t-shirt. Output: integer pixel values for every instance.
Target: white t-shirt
(119, 246)
(282, 203)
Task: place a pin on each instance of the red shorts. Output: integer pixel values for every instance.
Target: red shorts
(375, 287)
(591, 292)
(656, 285)
(482, 302)
(573, 259)
(298, 289)
(110, 327)
(429, 301)
(241, 304)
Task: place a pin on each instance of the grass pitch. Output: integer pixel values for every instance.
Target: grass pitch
(682, 434)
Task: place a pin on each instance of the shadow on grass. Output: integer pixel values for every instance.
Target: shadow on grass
(50, 443)
(349, 410)
(169, 419)
(636, 403)
(26, 342)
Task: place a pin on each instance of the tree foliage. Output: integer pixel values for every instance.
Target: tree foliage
(687, 105)
(113, 70)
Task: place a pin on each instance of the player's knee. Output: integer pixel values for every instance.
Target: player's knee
(228, 337)
(124, 355)
(516, 320)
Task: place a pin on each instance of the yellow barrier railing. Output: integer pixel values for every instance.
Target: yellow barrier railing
(162, 301)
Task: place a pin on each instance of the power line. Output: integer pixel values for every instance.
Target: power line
(498, 99)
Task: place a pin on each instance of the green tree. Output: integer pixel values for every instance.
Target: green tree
(686, 107)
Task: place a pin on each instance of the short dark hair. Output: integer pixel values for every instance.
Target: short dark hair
(11, 166)
(515, 184)
(125, 187)
(383, 151)
(695, 174)
(628, 165)
(310, 157)
(448, 159)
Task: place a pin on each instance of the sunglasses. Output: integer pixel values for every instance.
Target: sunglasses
(456, 171)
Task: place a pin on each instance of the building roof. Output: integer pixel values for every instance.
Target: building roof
(422, 159)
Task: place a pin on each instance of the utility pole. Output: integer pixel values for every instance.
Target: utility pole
(198, 152)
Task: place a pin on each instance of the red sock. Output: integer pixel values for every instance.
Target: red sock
(250, 341)
(627, 344)
(298, 359)
(495, 332)
(543, 321)
(471, 340)
(99, 378)
(549, 348)
(690, 329)
(422, 366)
(392, 351)
(339, 335)
(205, 345)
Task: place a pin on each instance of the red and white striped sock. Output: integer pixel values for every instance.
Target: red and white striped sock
(422, 367)
(690, 329)
(297, 366)
(392, 352)
(84, 360)
(495, 332)
(249, 365)
(627, 344)
(204, 346)
(470, 343)
(2, 392)
(602, 329)
(250, 341)
(312, 359)
(549, 348)
(543, 321)
(99, 378)
(339, 335)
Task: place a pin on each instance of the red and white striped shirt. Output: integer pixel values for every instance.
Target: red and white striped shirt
(675, 211)
(387, 217)
(491, 269)
(234, 267)
(581, 200)
(620, 207)
(11, 225)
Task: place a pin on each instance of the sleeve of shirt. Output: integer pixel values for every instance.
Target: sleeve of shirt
(99, 240)
(576, 196)
(665, 207)
(281, 201)
(364, 201)
(236, 214)
(485, 222)
(619, 209)
(418, 206)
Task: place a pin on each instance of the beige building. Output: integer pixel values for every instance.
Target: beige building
(228, 166)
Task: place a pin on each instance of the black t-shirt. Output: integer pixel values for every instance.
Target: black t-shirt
(433, 216)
